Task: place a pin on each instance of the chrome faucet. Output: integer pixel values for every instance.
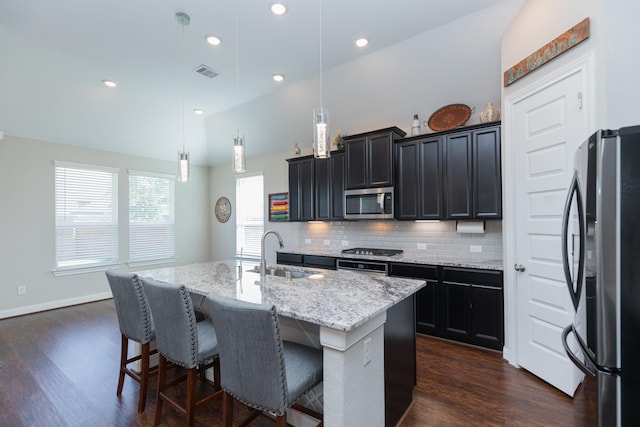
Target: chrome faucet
(263, 262)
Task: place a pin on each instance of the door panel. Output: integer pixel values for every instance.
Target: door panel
(548, 125)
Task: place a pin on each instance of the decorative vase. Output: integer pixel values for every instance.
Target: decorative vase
(490, 114)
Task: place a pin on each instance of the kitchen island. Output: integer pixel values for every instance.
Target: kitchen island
(350, 309)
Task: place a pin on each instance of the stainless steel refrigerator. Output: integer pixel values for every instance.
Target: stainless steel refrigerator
(601, 254)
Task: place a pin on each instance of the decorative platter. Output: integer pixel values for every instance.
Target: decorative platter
(223, 209)
(449, 117)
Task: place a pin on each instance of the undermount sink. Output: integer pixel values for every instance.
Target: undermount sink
(283, 272)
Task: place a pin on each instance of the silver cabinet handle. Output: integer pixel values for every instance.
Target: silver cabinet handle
(518, 267)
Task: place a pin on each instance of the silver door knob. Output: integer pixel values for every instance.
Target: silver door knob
(518, 267)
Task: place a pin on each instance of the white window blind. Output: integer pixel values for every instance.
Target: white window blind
(86, 199)
(151, 217)
(249, 215)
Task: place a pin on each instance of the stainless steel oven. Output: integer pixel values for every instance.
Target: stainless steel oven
(363, 266)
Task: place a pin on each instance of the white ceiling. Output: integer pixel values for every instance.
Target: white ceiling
(55, 54)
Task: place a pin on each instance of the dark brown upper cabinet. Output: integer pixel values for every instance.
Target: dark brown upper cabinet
(370, 158)
(472, 174)
(419, 179)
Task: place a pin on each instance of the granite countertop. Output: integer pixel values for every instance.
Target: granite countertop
(413, 257)
(340, 300)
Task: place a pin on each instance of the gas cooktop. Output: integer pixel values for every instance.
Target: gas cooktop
(372, 251)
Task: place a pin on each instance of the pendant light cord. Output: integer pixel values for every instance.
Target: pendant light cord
(238, 68)
(321, 55)
(182, 24)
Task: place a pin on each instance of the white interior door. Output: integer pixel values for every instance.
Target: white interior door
(548, 122)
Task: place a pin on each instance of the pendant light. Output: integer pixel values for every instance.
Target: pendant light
(239, 162)
(183, 156)
(321, 147)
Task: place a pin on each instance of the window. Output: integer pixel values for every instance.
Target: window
(151, 217)
(86, 205)
(249, 215)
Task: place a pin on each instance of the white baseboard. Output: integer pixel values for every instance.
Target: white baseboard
(29, 309)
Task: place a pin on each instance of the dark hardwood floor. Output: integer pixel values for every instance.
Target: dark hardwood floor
(59, 368)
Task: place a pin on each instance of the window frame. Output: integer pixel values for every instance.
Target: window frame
(112, 247)
(240, 250)
(166, 257)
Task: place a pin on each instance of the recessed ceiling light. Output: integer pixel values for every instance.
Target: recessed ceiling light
(278, 77)
(213, 40)
(278, 8)
(198, 111)
(362, 42)
(109, 83)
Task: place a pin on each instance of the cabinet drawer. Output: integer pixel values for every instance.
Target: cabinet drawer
(289, 259)
(491, 278)
(413, 270)
(320, 261)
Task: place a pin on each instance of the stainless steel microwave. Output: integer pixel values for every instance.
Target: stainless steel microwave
(369, 203)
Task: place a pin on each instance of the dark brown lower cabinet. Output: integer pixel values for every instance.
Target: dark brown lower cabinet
(460, 304)
(304, 260)
(473, 309)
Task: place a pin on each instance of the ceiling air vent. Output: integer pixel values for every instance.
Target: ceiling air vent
(206, 71)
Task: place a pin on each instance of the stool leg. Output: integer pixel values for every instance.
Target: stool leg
(162, 374)
(281, 420)
(144, 377)
(216, 373)
(124, 349)
(191, 394)
(227, 409)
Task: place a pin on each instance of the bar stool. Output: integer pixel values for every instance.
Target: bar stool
(258, 368)
(135, 324)
(184, 341)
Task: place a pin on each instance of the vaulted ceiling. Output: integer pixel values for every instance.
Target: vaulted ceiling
(55, 55)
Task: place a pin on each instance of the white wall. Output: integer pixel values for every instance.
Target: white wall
(223, 183)
(613, 40)
(455, 63)
(27, 222)
(614, 33)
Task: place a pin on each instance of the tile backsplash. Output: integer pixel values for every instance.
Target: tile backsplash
(439, 238)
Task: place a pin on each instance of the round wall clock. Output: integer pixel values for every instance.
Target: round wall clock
(223, 209)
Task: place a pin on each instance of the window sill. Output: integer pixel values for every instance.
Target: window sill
(135, 264)
(82, 270)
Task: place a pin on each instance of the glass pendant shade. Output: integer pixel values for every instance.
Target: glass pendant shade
(321, 146)
(183, 166)
(239, 163)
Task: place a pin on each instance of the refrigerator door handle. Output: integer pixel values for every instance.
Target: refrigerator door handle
(574, 188)
(587, 366)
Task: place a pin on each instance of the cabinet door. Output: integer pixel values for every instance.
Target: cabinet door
(320, 261)
(458, 176)
(427, 308)
(323, 189)
(380, 160)
(288, 258)
(487, 314)
(487, 181)
(356, 163)
(307, 185)
(301, 189)
(337, 185)
(430, 176)
(456, 310)
(295, 190)
(407, 193)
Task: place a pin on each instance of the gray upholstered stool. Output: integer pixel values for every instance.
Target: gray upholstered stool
(136, 324)
(258, 368)
(183, 341)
